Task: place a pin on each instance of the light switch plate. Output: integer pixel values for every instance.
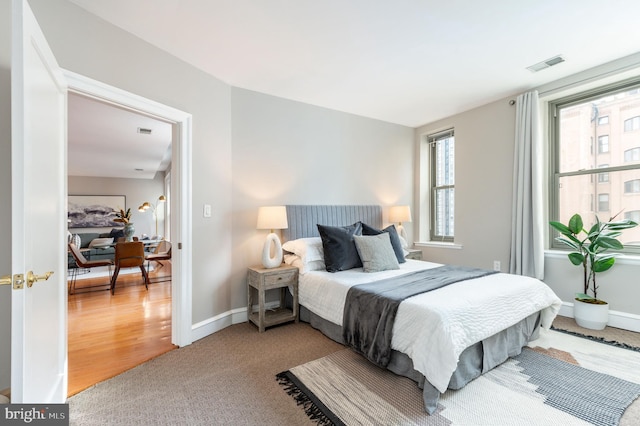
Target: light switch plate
(206, 211)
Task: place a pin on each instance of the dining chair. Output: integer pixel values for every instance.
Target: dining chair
(83, 263)
(162, 252)
(129, 255)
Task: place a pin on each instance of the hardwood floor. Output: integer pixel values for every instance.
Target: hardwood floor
(111, 334)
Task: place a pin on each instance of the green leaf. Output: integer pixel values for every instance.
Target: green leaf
(610, 243)
(582, 296)
(603, 264)
(573, 243)
(560, 227)
(622, 225)
(594, 231)
(611, 234)
(575, 224)
(576, 258)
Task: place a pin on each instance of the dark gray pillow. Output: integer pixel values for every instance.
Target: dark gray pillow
(340, 251)
(393, 236)
(116, 233)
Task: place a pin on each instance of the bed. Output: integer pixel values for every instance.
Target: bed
(442, 339)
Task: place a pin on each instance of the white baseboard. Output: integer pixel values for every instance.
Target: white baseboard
(224, 320)
(617, 319)
(217, 323)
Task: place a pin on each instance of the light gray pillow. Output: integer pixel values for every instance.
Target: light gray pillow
(376, 252)
(100, 242)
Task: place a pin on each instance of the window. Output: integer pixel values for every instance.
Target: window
(442, 163)
(593, 174)
(603, 177)
(633, 215)
(632, 124)
(603, 120)
(603, 202)
(603, 144)
(632, 186)
(632, 154)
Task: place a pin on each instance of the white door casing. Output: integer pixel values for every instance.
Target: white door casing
(38, 240)
(181, 190)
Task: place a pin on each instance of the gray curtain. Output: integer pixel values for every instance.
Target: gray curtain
(527, 231)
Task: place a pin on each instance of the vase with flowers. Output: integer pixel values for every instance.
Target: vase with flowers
(125, 217)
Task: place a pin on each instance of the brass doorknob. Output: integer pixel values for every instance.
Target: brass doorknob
(6, 280)
(32, 278)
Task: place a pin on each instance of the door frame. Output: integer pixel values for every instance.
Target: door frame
(181, 190)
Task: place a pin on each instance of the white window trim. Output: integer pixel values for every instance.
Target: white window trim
(439, 244)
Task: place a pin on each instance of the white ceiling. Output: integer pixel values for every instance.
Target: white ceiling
(409, 62)
(103, 140)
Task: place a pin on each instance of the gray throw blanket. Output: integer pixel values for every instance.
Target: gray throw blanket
(370, 309)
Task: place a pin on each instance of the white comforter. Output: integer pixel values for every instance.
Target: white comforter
(434, 328)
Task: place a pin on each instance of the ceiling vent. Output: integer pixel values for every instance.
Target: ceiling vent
(144, 131)
(546, 63)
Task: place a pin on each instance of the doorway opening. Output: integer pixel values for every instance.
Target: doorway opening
(175, 292)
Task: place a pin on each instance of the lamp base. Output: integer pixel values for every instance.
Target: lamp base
(267, 260)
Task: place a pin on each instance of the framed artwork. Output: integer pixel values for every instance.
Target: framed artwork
(94, 211)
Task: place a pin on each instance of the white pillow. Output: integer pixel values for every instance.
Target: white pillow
(294, 260)
(100, 242)
(376, 252)
(308, 249)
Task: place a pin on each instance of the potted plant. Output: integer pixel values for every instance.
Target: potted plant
(125, 217)
(590, 251)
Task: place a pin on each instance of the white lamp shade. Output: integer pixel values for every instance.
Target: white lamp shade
(399, 214)
(272, 217)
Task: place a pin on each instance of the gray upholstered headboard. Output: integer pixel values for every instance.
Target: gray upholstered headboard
(303, 219)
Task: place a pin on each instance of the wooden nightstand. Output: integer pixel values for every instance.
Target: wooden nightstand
(259, 280)
(414, 254)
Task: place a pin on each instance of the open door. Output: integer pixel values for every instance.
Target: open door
(38, 241)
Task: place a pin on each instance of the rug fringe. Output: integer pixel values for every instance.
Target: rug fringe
(598, 339)
(310, 408)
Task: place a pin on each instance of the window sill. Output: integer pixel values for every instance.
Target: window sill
(622, 259)
(437, 244)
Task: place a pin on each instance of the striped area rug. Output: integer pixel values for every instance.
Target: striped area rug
(559, 379)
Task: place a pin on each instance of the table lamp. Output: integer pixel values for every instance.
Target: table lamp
(272, 217)
(400, 214)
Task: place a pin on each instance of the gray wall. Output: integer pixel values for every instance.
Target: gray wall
(276, 151)
(282, 151)
(484, 168)
(89, 46)
(287, 152)
(136, 191)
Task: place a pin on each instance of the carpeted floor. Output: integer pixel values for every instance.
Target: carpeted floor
(225, 378)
